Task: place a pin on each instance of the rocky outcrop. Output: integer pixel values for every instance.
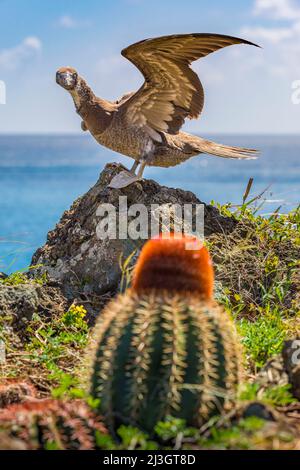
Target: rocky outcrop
(291, 359)
(83, 262)
(19, 302)
(283, 369)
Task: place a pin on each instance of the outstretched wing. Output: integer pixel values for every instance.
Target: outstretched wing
(171, 91)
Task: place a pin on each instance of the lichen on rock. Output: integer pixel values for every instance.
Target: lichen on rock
(20, 302)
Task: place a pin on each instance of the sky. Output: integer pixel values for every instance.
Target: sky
(247, 89)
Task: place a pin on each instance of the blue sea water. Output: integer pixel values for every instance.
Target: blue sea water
(40, 176)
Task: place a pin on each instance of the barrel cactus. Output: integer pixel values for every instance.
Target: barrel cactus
(50, 424)
(165, 347)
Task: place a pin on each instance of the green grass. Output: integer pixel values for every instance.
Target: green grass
(277, 395)
(49, 351)
(262, 338)
(236, 436)
(50, 342)
(257, 267)
(21, 277)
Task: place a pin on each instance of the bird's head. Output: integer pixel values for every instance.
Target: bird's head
(67, 77)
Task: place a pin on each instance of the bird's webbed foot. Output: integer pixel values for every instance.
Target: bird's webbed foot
(123, 179)
(126, 178)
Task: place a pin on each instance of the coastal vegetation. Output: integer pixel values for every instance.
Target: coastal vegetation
(257, 274)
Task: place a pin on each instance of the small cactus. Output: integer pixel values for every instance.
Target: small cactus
(50, 424)
(165, 347)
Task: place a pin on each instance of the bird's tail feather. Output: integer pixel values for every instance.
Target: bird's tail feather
(225, 151)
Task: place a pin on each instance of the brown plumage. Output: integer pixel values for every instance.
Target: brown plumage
(145, 125)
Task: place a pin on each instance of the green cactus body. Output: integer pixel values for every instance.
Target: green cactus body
(160, 353)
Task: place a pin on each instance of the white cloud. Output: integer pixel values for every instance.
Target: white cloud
(277, 9)
(13, 57)
(281, 43)
(273, 35)
(68, 22)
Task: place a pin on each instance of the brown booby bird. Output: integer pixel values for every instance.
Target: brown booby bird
(145, 125)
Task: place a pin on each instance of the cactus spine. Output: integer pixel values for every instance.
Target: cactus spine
(159, 351)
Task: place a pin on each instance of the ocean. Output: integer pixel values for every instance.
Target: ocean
(40, 176)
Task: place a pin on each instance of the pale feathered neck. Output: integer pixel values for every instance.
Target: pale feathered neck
(81, 94)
